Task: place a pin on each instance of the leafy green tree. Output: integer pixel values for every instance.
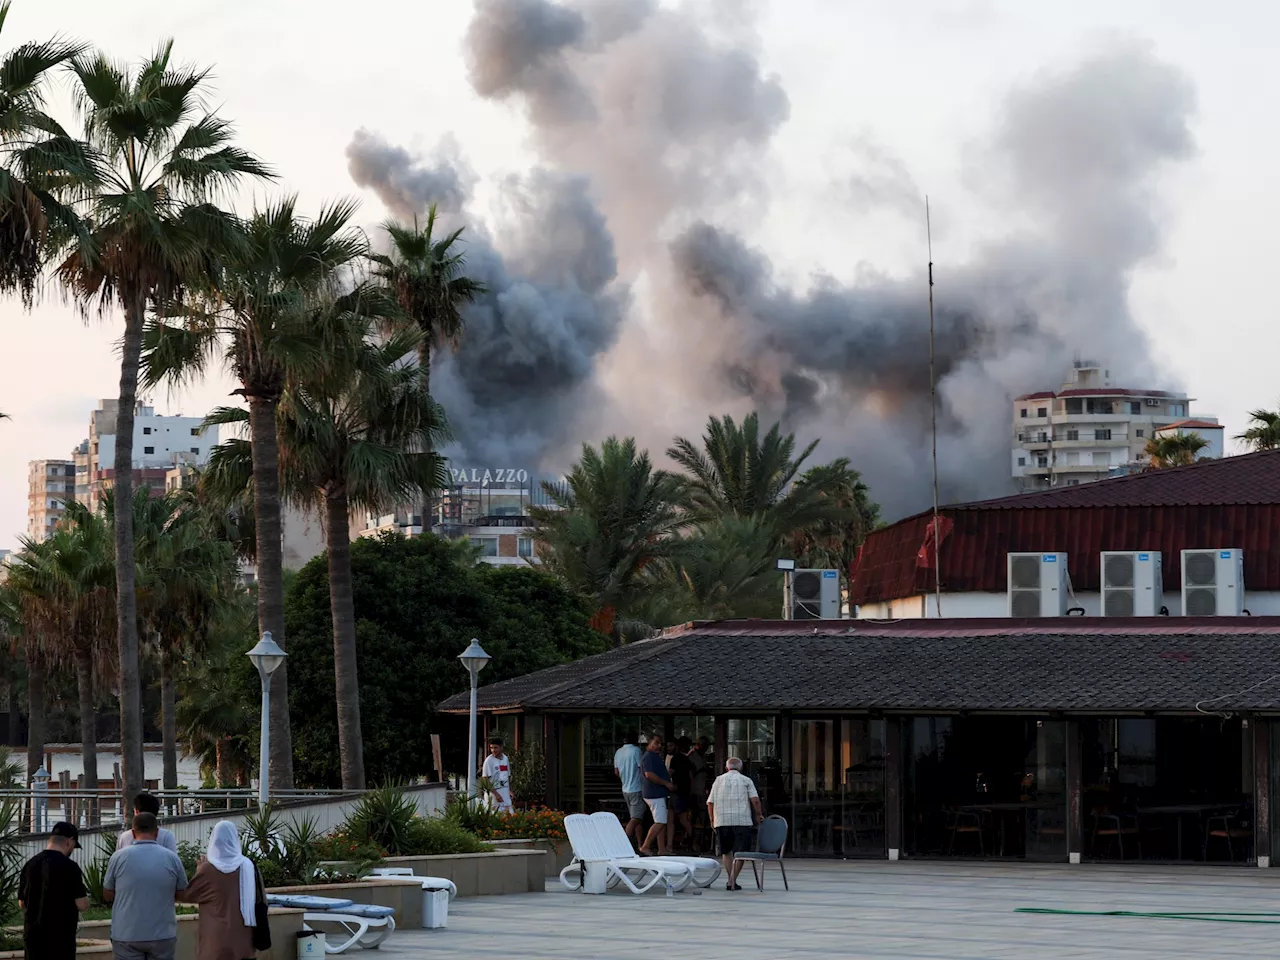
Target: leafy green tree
(153, 230)
(408, 662)
(1174, 450)
(1264, 430)
(260, 315)
(613, 516)
(833, 542)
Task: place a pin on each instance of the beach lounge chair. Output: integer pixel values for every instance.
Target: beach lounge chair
(365, 925)
(637, 874)
(406, 873)
(705, 870)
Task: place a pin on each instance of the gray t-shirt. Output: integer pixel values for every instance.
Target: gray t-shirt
(144, 876)
(166, 839)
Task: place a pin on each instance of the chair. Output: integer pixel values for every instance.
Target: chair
(637, 874)
(1230, 827)
(367, 925)
(704, 870)
(406, 873)
(966, 822)
(772, 841)
(1118, 826)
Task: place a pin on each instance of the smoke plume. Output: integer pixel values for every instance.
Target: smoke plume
(627, 295)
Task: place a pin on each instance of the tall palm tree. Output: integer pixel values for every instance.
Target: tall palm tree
(347, 438)
(1174, 450)
(259, 315)
(613, 516)
(21, 632)
(1264, 430)
(426, 276)
(153, 229)
(39, 163)
(834, 540)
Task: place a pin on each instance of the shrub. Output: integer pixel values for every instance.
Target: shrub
(341, 845)
(476, 817)
(272, 872)
(189, 853)
(540, 823)
(384, 817)
(529, 774)
(436, 835)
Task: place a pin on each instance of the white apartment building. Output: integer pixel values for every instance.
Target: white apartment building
(1090, 429)
(159, 443)
(51, 484)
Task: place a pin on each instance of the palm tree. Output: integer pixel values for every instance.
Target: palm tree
(833, 542)
(41, 163)
(152, 231)
(19, 630)
(346, 439)
(1264, 430)
(1174, 450)
(426, 277)
(611, 518)
(260, 314)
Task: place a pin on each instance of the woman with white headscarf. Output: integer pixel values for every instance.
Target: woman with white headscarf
(226, 887)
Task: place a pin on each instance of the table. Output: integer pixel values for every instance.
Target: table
(1180, 810)
(1018, 806)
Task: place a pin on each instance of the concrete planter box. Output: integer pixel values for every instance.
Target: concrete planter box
(285, 926)
(404, 896)
(559, 852)
(99, 949)
(483, 874)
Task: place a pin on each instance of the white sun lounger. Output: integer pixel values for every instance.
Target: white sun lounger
(705, 870)
(406, 873)
(366, 925)
(637, 874)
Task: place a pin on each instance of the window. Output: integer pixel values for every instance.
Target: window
(488, 545)
(197, 450)
(1023, 411)
(524, 546)
(1099, 406)
(1042, 461)
(1042, 437)
(148, 449)
(1073, 483)
(1135, 407)
(146, 430)
(1042, 411)
(1102, 434)
(1075, 405)
(1139, 432)
(1178, 409)
(1073, 434)
(195, 431)
(1022, 461)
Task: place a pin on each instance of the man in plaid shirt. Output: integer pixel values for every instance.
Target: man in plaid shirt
(734, 808)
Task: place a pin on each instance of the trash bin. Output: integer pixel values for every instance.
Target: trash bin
(435, 907)
(594, 877)
(310, 945)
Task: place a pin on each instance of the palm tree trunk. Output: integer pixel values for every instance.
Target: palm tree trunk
(15, 711)
(88, 724)
(222, 750)
(168, 721)
(424, 366)
(35, 710)
(126, 597)
(343, 611)
(270, 558)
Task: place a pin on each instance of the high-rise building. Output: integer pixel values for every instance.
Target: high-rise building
(159, 443)
(1090, 429)
(51, 484)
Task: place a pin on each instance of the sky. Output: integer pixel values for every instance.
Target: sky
(884, 99)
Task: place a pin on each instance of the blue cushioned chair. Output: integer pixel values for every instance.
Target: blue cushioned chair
(772, 841)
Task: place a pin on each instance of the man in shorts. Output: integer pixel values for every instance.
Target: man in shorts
(734, 808)
(656, 788)
(626, 764)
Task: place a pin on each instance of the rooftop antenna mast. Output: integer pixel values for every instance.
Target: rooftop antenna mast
(933, 410)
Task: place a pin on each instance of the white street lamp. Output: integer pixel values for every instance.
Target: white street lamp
(473, 658)
(267, 656)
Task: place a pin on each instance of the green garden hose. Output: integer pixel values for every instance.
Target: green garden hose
(1212, 917)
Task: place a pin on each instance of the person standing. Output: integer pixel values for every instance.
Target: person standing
(698, 795)
(148, 803)
(734, 808)
(226, 887)
(497, 768)
(681, 768)
(51, 894)
(141, 884)
(626, 765)
(657, 786)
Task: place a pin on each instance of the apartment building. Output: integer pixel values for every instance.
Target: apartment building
(1090, 428)
(159, 443)
(51, 484)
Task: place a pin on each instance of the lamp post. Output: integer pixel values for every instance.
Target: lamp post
(787, 567)
(267, 656)
(473, 658)
(40, 799)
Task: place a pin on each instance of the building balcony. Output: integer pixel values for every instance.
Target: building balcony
(1061, 468)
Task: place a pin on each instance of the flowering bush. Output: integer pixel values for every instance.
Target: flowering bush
(536, 823)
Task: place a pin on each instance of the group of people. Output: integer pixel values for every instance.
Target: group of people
(672, 788)
(143, 882)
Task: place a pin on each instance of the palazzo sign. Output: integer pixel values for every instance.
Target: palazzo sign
(484, 476)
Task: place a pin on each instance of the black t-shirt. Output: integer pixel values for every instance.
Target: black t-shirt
(682, 774)
(50, 886)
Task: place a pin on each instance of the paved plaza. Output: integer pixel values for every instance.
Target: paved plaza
(939, 911)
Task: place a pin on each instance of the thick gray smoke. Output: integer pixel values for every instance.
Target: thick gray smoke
(628, 299)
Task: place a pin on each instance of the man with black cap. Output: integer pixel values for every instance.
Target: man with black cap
(51, 893)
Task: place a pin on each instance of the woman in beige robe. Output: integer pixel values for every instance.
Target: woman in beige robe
(226, 887)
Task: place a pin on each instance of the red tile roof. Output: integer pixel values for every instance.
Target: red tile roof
(1232, 502)
(1190, 425)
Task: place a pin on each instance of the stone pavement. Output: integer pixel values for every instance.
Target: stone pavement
(938, 911)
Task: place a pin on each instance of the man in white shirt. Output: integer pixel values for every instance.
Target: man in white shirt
(626, 764)
(497, 768)
(148, 803)
(734, 807)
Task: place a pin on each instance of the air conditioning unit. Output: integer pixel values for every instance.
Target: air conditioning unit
(1212, 583)
(1037, 584)
(1152, 402)
(1131, 583)
(815, 595)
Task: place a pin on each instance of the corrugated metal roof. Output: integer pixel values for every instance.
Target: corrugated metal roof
(1233, 502)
